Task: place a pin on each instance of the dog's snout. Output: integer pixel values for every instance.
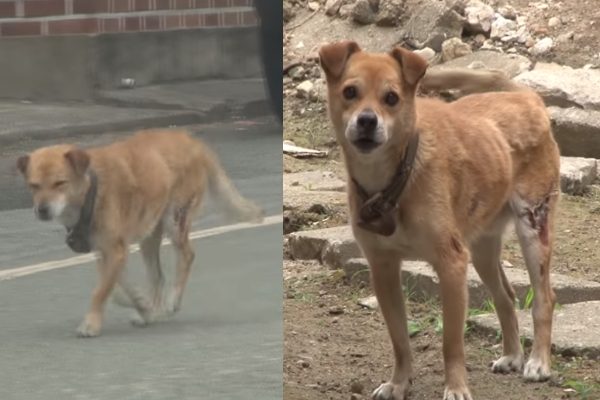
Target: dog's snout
(43, 211)
(367, 120)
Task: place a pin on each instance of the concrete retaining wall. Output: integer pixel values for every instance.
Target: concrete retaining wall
(72, 67)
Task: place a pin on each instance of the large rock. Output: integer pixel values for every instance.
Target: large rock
(502, 27)
(332, 7)
(479, 17)
(575, 329)
(511, 64)
(424, 283)
(305, 89)
(389, 13)
(577, 131)
(542, 46)
(363, 13)
(576, 174)
(454, 48)
(432, 22)
(332, 246)
(564, 86)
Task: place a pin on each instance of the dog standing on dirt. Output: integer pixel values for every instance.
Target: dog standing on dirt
(440, 182)
(138, 189)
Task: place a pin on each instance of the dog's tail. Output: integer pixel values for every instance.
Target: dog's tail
(226, 196)
(468, 81)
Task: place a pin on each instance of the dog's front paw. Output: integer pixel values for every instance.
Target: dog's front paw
(89, 327)
(508, 364)
(536, 370)
(391, 391)
(457, 394)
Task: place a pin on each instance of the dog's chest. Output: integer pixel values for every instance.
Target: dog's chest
(403, 240)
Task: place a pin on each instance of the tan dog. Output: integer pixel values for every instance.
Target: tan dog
(136, 189)
(438, 182)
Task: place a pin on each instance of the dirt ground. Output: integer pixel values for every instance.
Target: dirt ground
(345, 355)
(333, 347)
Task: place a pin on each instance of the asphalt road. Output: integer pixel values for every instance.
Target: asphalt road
(226, 343)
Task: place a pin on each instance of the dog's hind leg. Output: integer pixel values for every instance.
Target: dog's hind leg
(534, 225)
(179, 231)
(485, 254)
(150, 308)
(127, 293)
(150, 249)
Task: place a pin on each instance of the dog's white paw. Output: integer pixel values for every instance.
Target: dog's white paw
(457, 394)
(508, 364)
(536, 370)
(390, 391)
(172, 304)
(89, 327)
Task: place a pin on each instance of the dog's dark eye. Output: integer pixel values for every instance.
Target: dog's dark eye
(58, 184)
(34, 186)
(391, 99)
(350, 92)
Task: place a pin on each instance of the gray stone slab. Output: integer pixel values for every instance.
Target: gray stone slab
(313, 181)
(331, 246)
(336, 248)
(511, 64)
(576, 174)
(564, 86)
(423, 282)
(575, 329)
(577, 131)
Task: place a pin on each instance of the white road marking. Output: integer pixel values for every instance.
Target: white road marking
(78, 260)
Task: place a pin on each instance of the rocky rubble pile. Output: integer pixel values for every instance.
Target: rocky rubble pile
(473, 34)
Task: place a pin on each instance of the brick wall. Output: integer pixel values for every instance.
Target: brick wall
(76, 17)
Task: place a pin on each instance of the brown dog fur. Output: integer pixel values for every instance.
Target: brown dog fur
(149, 184)
(482, 161)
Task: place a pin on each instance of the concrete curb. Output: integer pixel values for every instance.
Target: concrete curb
(336, 248)
(251, 109)
(575, 329)
(184, 118)
(423, 283)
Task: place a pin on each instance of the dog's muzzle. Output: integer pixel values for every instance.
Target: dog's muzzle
(43, 212)
(367, 131)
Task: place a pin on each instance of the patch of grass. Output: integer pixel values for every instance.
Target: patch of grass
(305, 297)
(409, 289)
(414, 328)
(527, 303)
(487, 307)
(584, 390)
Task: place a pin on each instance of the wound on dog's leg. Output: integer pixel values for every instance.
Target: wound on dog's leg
(537, 217)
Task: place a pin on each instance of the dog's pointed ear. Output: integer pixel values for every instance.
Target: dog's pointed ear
(413, 65)
(79, 160)
(22, 163)
(333, 57)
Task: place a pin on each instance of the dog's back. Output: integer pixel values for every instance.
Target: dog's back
(159, 171)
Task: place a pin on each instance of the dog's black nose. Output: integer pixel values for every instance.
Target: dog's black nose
(43, 212)
(367, 120)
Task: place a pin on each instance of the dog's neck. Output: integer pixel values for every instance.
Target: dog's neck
(79, 232)
(374, 173)
(376, 209)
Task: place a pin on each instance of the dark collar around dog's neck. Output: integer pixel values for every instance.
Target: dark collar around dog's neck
(376, 211)
(79, 236)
